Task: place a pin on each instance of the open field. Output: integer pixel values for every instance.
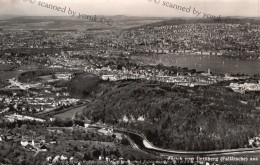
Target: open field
(4, 67)
(70, 113)
(9, 75)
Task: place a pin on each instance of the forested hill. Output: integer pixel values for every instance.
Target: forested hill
(182, 118)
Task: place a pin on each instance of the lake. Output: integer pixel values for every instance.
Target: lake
(217, 64)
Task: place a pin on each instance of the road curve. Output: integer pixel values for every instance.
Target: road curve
(148, 146)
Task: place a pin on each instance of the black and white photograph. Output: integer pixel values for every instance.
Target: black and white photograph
(129, 82)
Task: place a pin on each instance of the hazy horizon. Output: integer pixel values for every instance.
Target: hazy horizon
(3, 15)
(140, 8)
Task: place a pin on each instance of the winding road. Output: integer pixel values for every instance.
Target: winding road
(142, 143)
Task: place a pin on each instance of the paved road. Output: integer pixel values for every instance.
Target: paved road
(148, 146)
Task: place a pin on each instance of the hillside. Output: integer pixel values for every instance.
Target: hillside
(181, 21)
(72, 23)
(182, 118)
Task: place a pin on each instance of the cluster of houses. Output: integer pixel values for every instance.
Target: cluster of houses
(9, 62)
(10, 137)
(71, 160)
(132, 72)
(68, 63)
(16, 117)
(36, 104)
(242, 88)
(27, 141)
(37, 97)
(107, 73)
(35, 39)
(206, 39)
(37, 145)
(254, 142)
(62, 160)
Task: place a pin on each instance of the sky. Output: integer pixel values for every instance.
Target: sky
(247, 8)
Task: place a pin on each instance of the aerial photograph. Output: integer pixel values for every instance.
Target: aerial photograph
(129, 82)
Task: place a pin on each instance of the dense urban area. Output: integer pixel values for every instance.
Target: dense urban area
(104, 95)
